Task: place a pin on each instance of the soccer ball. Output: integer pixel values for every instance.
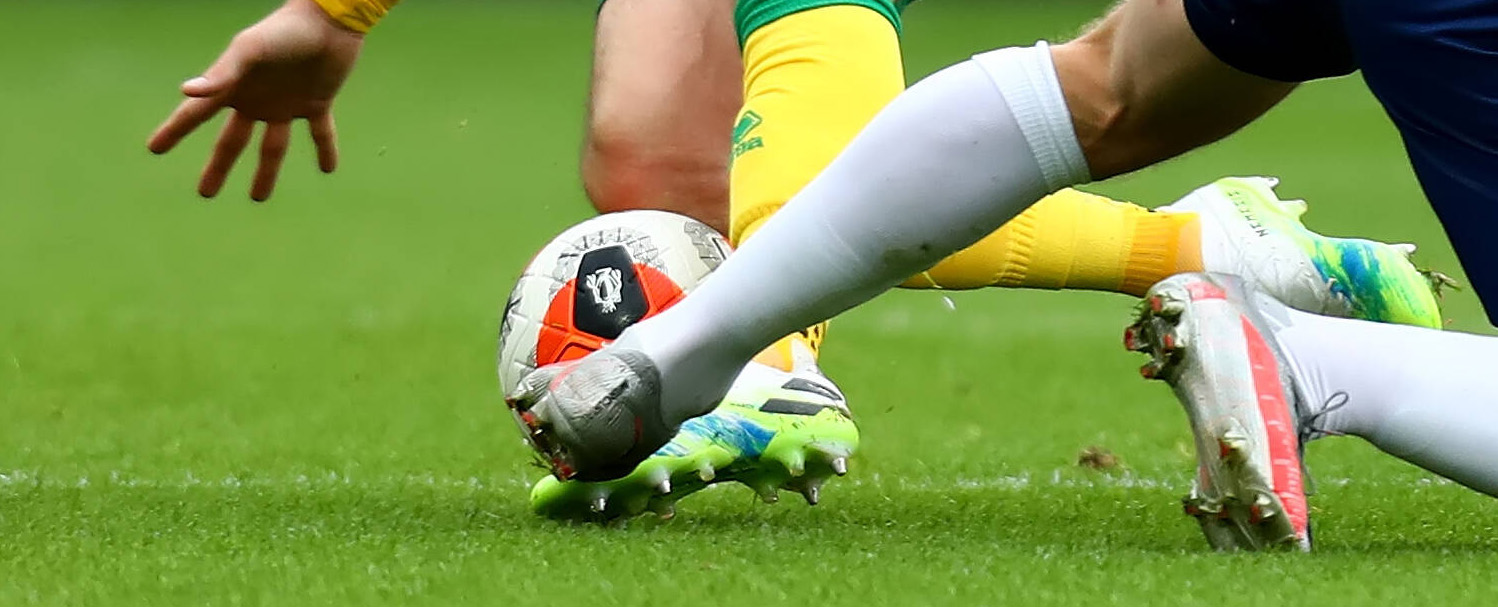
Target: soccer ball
(598, 278)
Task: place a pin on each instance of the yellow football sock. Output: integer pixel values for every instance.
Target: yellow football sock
(1075, 240)
(812, 80)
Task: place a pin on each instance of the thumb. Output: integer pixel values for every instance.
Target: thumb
(220, 77)
(203, 87)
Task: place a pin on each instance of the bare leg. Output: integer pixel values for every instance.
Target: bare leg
(666, 87)
(1141, 88)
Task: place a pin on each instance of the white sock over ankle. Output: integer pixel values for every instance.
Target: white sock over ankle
(943, 165)
(1425, 396)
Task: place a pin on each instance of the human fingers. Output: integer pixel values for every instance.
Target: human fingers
(189, 115)
(231, 143)
(325, 139)
(272, 151)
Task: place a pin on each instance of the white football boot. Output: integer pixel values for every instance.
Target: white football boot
(1248, 231)
(1211, 337)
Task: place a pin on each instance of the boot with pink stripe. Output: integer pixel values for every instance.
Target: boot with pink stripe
(1211, 337)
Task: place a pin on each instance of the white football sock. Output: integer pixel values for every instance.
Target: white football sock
(945, 164)
(1425, 396)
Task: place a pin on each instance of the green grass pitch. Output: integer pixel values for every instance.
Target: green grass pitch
(219, 403)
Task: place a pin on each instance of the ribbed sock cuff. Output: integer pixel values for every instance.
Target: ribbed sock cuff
(1027, 79)
(1156, 250)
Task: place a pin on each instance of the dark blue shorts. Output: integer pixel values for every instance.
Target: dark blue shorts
(1432, 63)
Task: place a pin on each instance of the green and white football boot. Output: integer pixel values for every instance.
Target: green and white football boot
(774, 430)
(1248, 231)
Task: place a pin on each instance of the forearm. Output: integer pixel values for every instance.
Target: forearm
(356, 15)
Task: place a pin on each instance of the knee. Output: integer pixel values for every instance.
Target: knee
(611, 173)
(621, 172)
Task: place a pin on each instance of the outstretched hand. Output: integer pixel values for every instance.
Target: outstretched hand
(290, 65)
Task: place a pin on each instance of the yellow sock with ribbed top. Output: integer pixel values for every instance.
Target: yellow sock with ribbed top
(1075, 240)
